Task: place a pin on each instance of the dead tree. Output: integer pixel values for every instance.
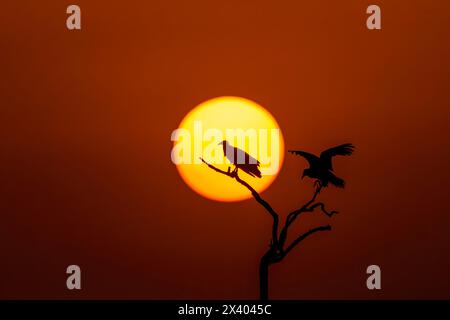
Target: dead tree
(278, 249)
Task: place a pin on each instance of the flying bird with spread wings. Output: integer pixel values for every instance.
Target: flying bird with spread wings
(321, 168)
(241, 160)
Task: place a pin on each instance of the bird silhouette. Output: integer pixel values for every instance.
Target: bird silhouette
(241, 160)
(321, 168)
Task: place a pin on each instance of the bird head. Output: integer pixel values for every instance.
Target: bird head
(225, 146)
(224, 143)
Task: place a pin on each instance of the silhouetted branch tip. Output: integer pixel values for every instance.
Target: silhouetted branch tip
(322, 208)
(227, 173)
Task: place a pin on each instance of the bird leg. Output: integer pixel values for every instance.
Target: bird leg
(318, 185)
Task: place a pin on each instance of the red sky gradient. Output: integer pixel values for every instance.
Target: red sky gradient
(86, 118)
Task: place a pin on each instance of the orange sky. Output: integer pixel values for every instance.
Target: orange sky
(86, 123)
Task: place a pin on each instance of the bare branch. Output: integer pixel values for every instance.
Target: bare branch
(293, 215)
(304, 236)
(255, 195)
(230, 174)
(322, 207)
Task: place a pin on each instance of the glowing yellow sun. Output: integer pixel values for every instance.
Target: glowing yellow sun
(244, 124)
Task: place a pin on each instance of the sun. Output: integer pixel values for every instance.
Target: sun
(244, 124)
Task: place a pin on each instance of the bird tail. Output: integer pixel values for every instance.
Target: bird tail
(338, 182)
(255, 173)
(252, 170)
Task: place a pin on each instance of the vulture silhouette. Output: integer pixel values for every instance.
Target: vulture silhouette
(321, 168)
(241, 159)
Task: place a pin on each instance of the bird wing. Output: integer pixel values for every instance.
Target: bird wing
(251, 160)
(345, 149)
(242, 157)
(312, 159)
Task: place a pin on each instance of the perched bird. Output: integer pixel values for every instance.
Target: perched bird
(321, 168)
(241, 159)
